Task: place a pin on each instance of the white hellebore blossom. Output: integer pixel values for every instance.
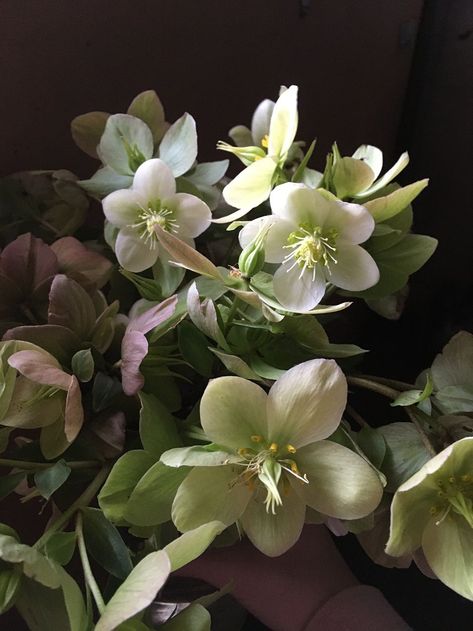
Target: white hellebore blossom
(273, 458)
(152, 201)
(253, 185)
(315, 240)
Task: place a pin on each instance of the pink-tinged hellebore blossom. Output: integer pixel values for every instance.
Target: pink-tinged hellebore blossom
(135, 344)
(271, 459)
(152, 201)
(315, 240)
(433, 510)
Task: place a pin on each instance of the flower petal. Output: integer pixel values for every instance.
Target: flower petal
(208, 494)
(284, 121)
(232, 410)
(355, 269)
(296, 292)
(448, 548)
(261, 121)
(252, 186)
(353, 222)
(123, 207)
(276, 237)
(300, 204)
(191, 214)
(372, 156)
(134, 350)
(133, 253)
(306, 404)
(241, 136)
(154, 180)
(341, 483)
(274, 534)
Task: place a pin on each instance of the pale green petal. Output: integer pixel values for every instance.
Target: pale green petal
(341, 483)
(284, 121)
(276, 237)
(300, 204)
(453, 366)
(154, 180)
(210, 494)
(355, 269)
(261, 121)
(232, 410)
(122, 208)
(133, 253)
(26, 412)
(448, 549)
(241, 136)
(372, 156)
(252, 186)
(296, 291)
(306, 404)
(274, 534)
(389, 176)
(351, 177)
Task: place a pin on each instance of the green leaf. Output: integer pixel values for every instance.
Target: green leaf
(104, 390)
(455, 399)
(166, 276)
(236, 365)
(123, 478)
(87, 129)
(192, 544)
(47, 481)
(178, 147)
(411, 397)
(103, 182)
(35, 565)
(391, 231)
(263, 369)
(405, 453)
(82, 365)
(148, 107)
(193, 618)
(4, 438)
(193, 346)
(158, 430)
(385, 207)
(9, 482)
(298, 174)
(372, 444)
(105, 544)
(10, 581)
(126, 143)
(60, 547)
(137, 592)
(151, 501)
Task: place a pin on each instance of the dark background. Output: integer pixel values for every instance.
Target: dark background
(393, 74)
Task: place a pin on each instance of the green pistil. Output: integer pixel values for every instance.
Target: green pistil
(456, 494)
(312, 246)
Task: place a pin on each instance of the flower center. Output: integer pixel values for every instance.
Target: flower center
(267, 462)
(311, 246)
(152, 216)
(455, 494)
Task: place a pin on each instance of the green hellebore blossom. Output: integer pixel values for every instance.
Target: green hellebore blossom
(273, 459)
(434, 510)
(253, 185)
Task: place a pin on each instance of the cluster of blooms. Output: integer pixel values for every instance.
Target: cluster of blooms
(196, 385)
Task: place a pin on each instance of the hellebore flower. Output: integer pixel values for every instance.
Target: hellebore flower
(434, 510)
(152, 201)
(36, 393)
(316, 240)
(253, 185)
(452, 375)
(273, 459)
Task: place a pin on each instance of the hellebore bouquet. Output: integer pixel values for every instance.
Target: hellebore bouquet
(167, 382)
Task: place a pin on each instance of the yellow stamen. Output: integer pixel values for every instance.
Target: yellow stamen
(291, 449)
(256, 438)
(242, 451)
(273, 448)
(451, 479)
(294, 468)
(265, 141)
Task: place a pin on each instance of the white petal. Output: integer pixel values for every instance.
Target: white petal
(190, 213)
(300, 204)
(276, 237)
(306, 404)
(372, 156)
(261, 121)
(154, 180)
(400, 165)
(241, 136)
(355, 269)
(122, 207)
(132, 252)
(284, 120)
(295, 292)
(252, 186)
(353, 222)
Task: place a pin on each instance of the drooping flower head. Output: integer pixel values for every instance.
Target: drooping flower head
(274, 459)
(315, 240)
(434, 510)
(152, 201)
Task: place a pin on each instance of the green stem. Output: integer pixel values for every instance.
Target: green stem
(394, 383)
(83, 500)
(390, 393)
(26, 465)
(231, 314)
(356, 417)
(88, 574)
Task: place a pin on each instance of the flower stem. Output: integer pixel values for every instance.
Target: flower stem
(394, 383)
(390, 393)
(357, 417)
(231, 314)
(88, 574)
(26, 465)
(83, 500)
